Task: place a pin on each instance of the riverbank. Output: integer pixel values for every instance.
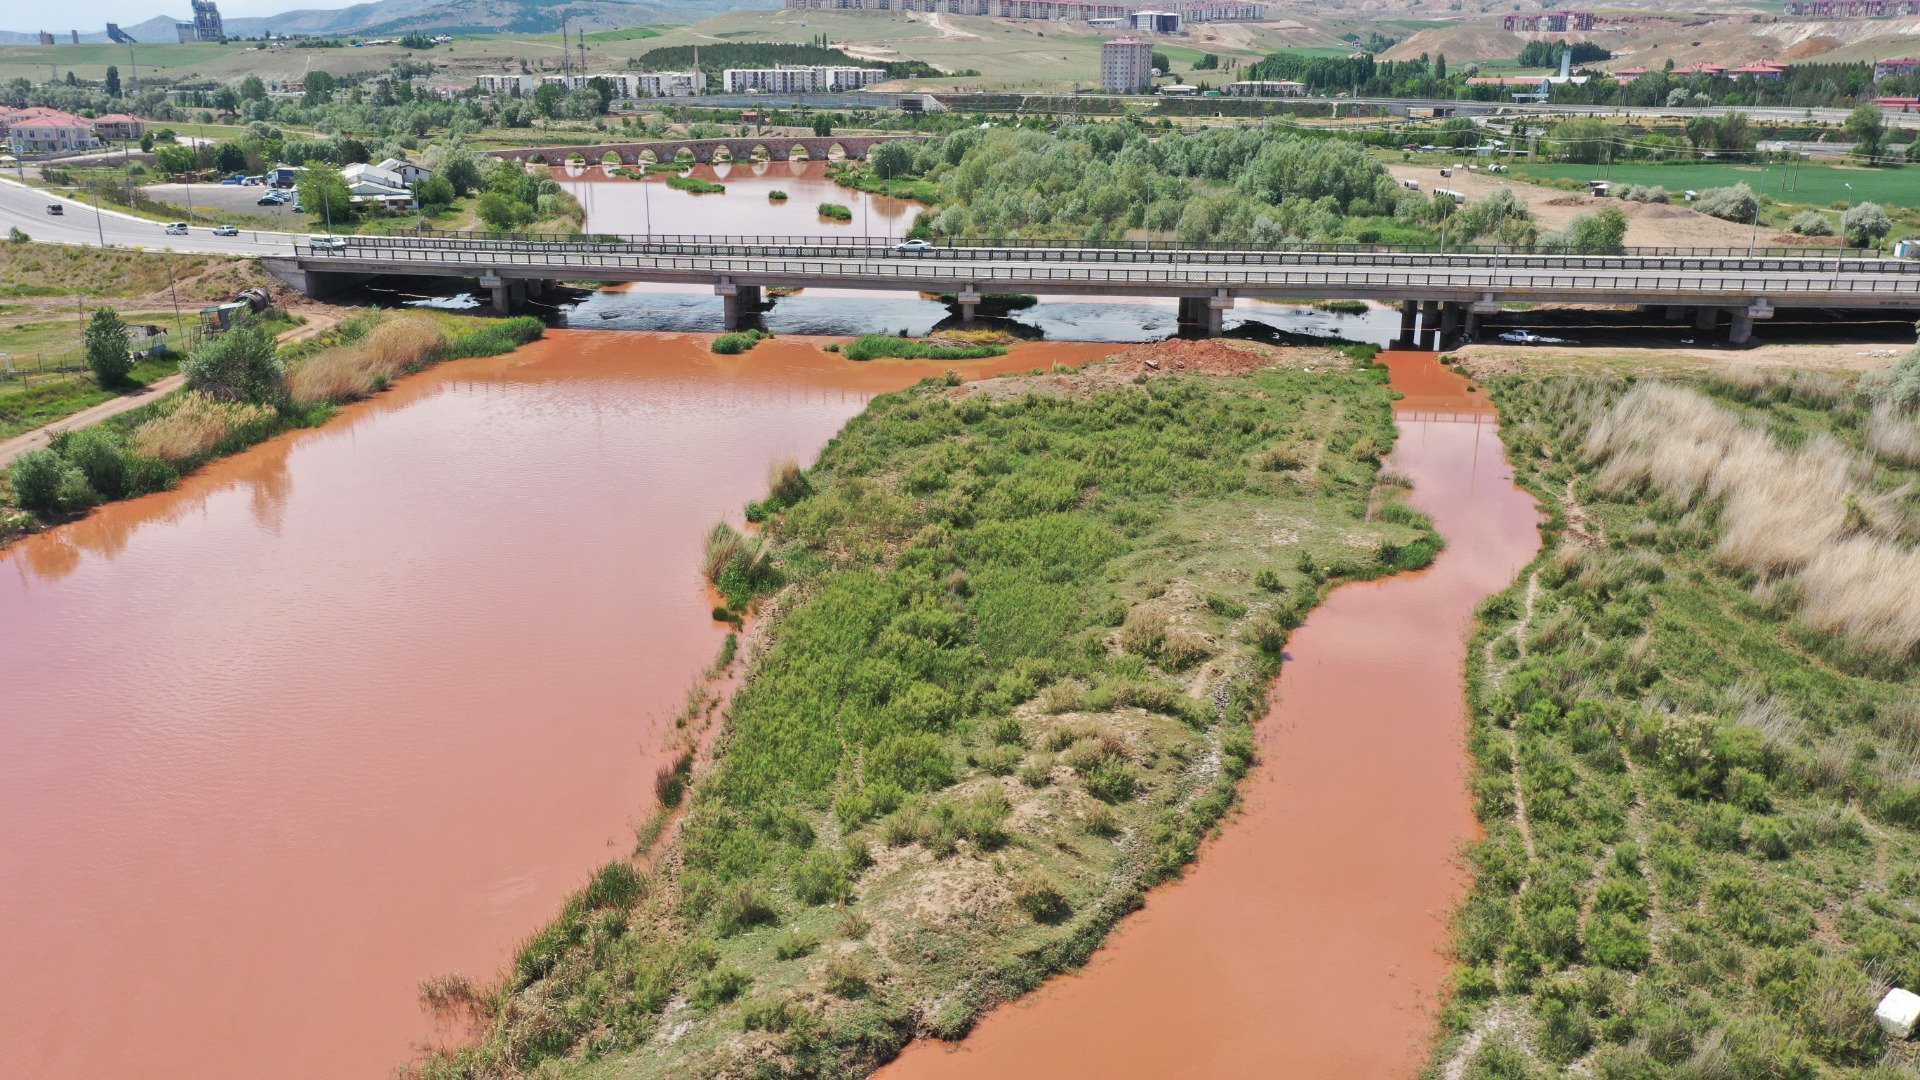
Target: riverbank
(1052, 708)
(1693, 723)
(243, 387)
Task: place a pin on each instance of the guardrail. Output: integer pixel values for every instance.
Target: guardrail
(1511, 284)
(749, 247)
(1005, 242)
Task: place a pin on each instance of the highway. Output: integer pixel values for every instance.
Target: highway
(25, 208)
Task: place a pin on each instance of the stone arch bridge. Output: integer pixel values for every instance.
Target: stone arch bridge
(708, 151)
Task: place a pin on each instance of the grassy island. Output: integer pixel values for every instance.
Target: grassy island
(1017, 633)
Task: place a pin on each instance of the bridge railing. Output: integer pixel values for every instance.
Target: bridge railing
(1132, 246)
(1511, 283)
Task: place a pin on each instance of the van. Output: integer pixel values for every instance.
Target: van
(326, 243)
(176, 228)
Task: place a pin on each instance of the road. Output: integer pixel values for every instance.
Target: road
(25, 208)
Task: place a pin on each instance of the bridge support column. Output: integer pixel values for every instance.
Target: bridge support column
(502, 295)
(1741, 332)
(1214, 315)
(1409, 311)
(1706, 318)
(1449, 324)
(1193, 310)
(1676, 313)
(517, 293)
(736, 303)
(1430, 326)
(969, 299)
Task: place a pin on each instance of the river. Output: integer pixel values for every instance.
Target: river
(362, 704)
(1309, 938)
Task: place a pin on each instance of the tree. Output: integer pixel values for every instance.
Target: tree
(108, 351)
(1865, 225)
(1868, 129)
(229, 157)
(435, 193)
(239, 365)
(1735, 203)
(822, 127)
(548, 99)
(1599, 233)
(113, 81)
(175, 159)
(324, 191)
(47, 483)
(891, 160)
(252, 89)
(502, 212)
(320, 86)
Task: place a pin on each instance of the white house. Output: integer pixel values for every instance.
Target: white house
(408, 172)
(374, 184)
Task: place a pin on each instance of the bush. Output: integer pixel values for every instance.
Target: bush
(109, 353)
(47, 484)
(1041, 900)
(776, 195)
(17, 236)
(835, 212)
(695, 184)
(1735, 203)
(738, 341)
(1811, 223)
(1865, 225)
(239, 365)
(192, 425)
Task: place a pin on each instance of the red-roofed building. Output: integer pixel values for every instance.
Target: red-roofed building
(1887, 69)
(1899, 104)
(1762, 70)
(40, 130)
(118, 126)
(1627, 75)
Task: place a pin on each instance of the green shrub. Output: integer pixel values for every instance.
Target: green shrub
(737, 341)
(720, 986)
(695, 184)
(835, 212)
(876, 346)
(48, 484)
(1041, 899)
(776, 195)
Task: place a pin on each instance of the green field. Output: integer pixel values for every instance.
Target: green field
(1815, 185)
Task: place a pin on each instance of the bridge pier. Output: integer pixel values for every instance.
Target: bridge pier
(1409, 312)
(1430, 326)
(1705, 319)
(1449, 324)
(502, 294)
(737, 303)
(1206, 314)
(969, 299)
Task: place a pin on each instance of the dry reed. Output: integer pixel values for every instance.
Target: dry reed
(393, 348)
(1804, 511)
(1894, 433)
(193, 425)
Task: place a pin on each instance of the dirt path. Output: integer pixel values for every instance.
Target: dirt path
(317, 320)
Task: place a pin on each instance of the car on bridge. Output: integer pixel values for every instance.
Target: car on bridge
(912, 247)
(327, 243)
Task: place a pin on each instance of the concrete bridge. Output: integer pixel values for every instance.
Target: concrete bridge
(708, 151)
(1440, 295)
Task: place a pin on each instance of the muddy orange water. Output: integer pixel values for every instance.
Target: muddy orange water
(359, 706)
(1307, 940)
(622, 205)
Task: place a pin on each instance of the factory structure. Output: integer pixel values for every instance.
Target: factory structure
(205, 25)
(1091, 11)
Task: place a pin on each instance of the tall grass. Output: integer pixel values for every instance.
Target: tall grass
(352, 371)
(1782, 511)
(191, 426)
(1894, 433)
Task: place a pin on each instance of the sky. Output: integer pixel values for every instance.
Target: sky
(92, 16)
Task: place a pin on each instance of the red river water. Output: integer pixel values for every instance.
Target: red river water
(1308, 940)
(362, 704)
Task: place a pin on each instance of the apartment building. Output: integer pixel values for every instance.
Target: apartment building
(799, 79)
(1126, 66)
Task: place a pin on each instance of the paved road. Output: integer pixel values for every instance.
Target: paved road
(25, 208)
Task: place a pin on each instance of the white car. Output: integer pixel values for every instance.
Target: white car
(327, 243)
(912, 247)
(226, 230)
(176, 228)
